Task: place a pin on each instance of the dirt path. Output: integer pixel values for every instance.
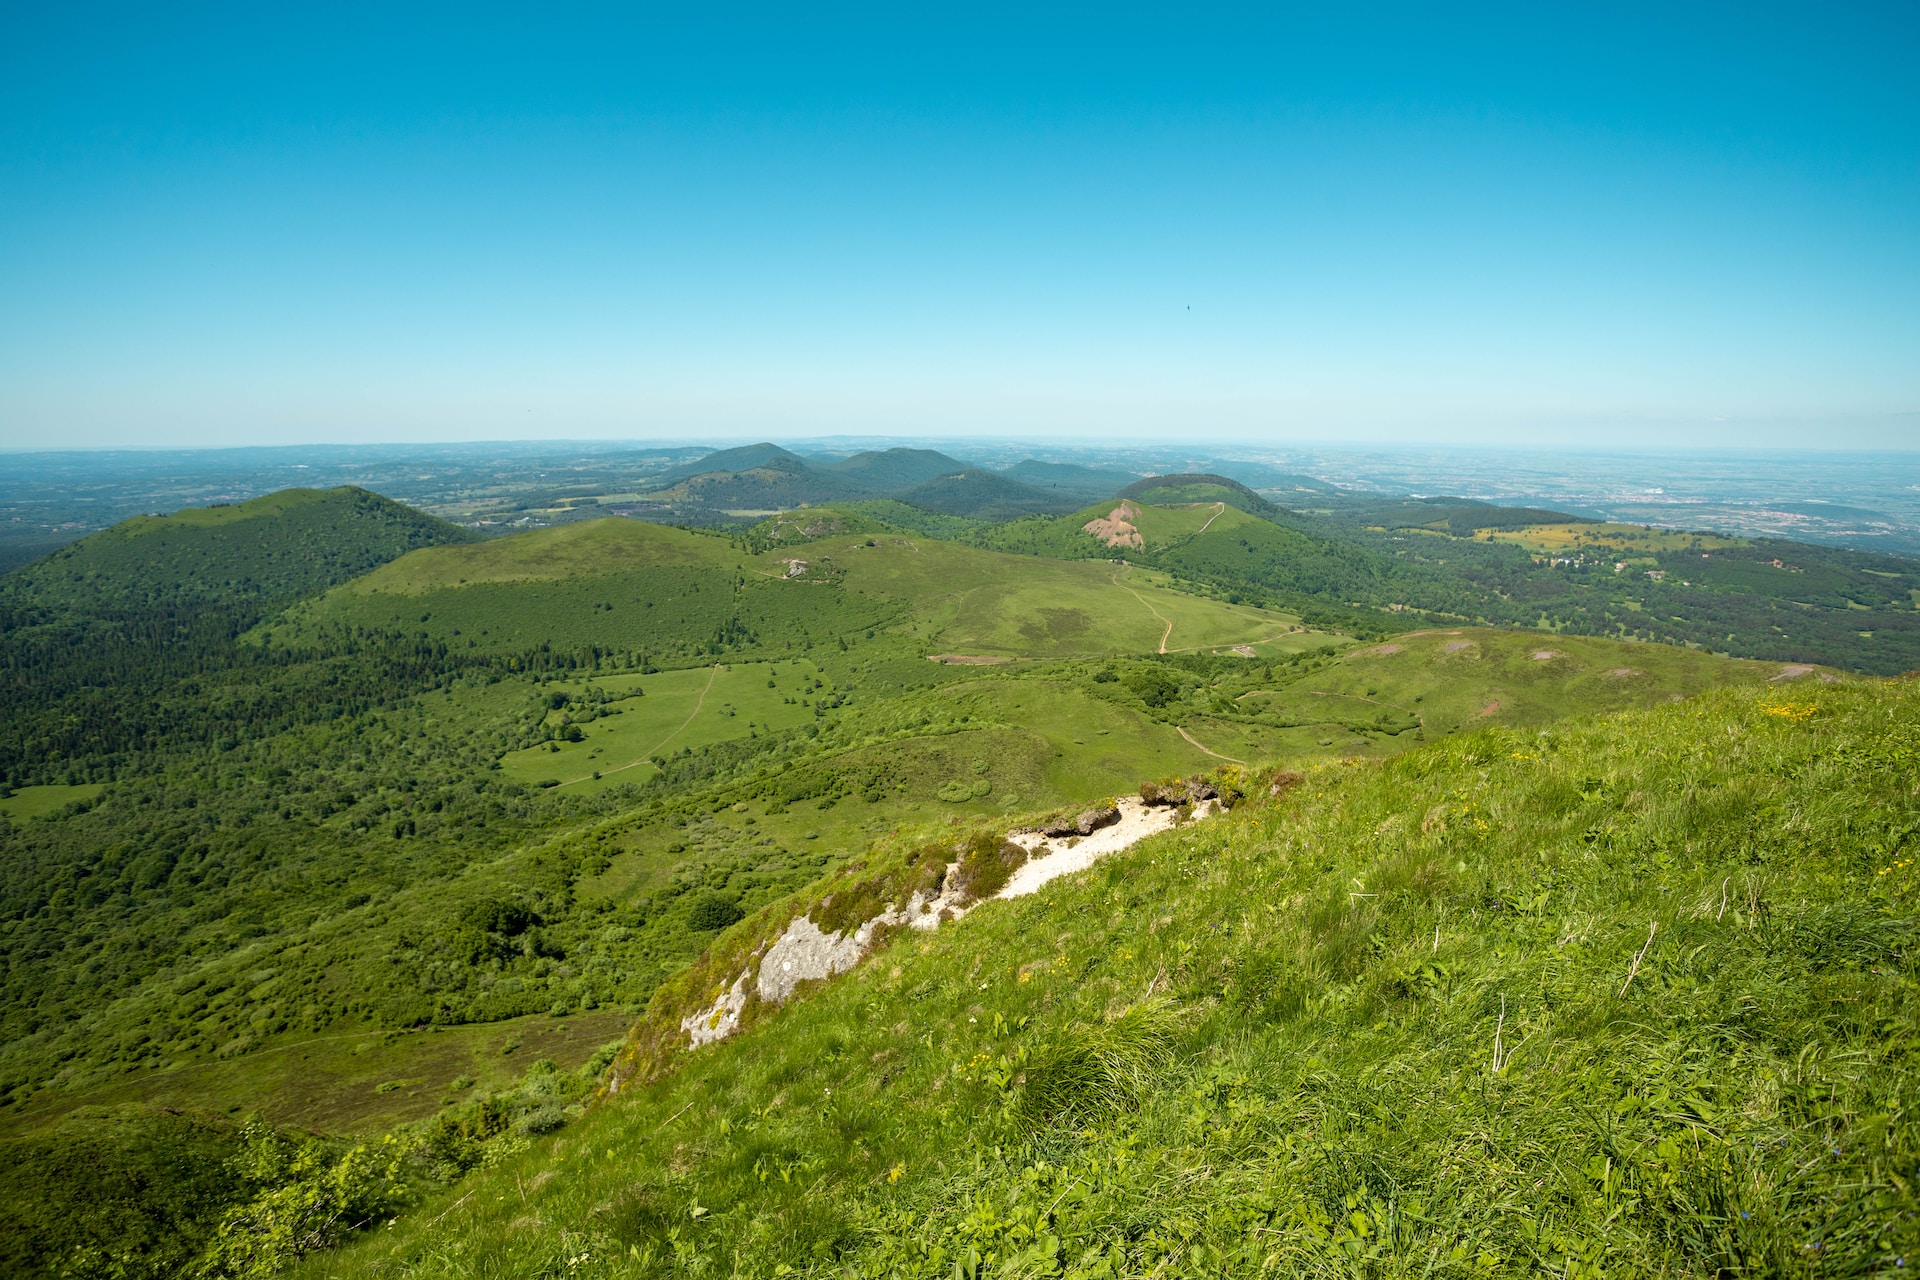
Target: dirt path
(1209, 750)
(1219, 509)
(1164, 635)
(698, 702)
(1196, 648)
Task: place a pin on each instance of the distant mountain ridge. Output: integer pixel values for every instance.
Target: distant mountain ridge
(1070, 478)
(888, 470)
(765, 477)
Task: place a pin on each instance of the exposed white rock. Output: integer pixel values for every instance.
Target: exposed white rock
(722, 1019)
(1050, 857)
(806, 952)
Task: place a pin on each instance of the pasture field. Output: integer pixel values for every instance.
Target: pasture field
(670, 711)
(1004, 746)
(37, 802)
(349, 1082)
(1559, 539)
(980, 602)
(590, 548)
(1382, 699)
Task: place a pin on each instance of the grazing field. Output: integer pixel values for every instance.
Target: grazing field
(1382, 699)
(38, 802)
(1559, 539)
(965, 601)
(592, 548)
(352, 1082)
(673, 711)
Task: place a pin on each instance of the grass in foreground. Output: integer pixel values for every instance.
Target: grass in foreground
(1631, 995)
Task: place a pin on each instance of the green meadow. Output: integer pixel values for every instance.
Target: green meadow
(41, 801)
(643, 716)
(970, 601)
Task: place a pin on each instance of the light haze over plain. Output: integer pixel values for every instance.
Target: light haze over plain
(1507, 224)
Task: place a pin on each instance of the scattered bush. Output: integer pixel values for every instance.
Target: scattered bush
(712, 911)
(987, 862)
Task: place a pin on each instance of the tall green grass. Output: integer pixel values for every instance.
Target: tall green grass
(1631, 996)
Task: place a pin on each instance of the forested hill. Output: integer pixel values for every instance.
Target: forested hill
(89, 634)
(262, 553)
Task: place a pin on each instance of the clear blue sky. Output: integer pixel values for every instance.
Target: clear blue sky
(1678, 224)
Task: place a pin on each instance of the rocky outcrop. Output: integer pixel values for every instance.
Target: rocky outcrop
(805, 952)
(1084, 823)
(1175, 791)
(722, 1020)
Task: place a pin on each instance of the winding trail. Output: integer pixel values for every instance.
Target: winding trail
(1164, 635)
(1219, 509)
(712, 675)
(1209, 750)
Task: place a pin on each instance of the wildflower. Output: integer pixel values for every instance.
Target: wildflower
(894, 1174)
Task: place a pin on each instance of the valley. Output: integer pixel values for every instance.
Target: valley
(397, 843)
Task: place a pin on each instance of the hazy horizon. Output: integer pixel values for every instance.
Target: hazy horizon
(1634, 227)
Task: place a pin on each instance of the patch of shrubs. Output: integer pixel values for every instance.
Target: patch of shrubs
(987, 862)
(711, 911)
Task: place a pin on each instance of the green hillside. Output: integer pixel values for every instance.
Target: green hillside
(96, 640)
(777, 486)
(1169, 490)
(1628, 991)
(744, 458)
(983, 495)
(672, 596)
(276, 548)
(1368, 566)
(1070, 479)
(408, 841)
(896, 470)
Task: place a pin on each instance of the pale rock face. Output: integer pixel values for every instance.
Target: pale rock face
(806, 952)
(1049, 858)
(721, 1020)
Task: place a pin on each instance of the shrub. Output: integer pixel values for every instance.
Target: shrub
(987, 862)
(712, 911)
(311, 1199)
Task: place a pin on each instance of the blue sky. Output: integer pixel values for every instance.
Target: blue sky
(1527, 224)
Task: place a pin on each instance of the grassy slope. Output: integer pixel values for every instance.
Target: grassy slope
(1215, 542)
(632, 586)
(666, 712)
(43, 801)
(899, 731)
(966, 600)
(1405, 1019)
(1426, 684)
